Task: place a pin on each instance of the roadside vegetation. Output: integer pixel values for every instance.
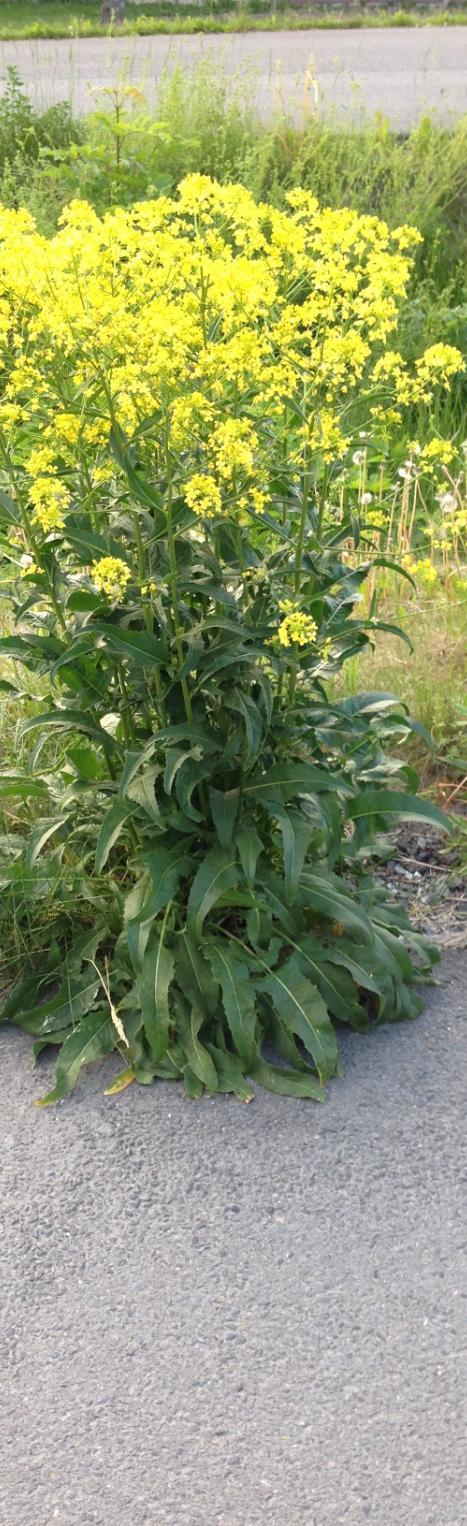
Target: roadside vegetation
(234, 596)
(64, 18)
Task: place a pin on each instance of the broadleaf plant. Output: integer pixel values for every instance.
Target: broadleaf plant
(186, 563)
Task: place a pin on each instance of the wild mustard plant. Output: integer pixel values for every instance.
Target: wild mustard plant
(179, 412)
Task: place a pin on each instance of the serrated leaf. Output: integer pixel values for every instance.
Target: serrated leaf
(231, 972)
(301, 1009)
(93, 1038)
(217, 873)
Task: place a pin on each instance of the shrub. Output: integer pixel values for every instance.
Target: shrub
(183, 389)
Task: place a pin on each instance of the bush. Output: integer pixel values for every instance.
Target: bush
(181, 438)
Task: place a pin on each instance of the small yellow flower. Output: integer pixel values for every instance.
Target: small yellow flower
(110, 576)
(203, 495)
(296, 629)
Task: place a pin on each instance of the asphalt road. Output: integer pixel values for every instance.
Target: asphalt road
(399, 72)
(218, 1315)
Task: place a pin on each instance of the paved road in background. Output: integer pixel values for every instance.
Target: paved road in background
(401, 73)
(218, 1315)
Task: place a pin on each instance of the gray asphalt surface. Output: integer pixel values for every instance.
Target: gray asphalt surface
(399, 72)
(218, 1315)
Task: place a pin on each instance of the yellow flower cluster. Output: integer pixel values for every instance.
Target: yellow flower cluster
(203, 496)
(110, 576)
(296, 629)
(197, 315)
(49, 498)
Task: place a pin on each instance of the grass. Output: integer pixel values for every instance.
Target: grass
(430, 679)
(63, 18)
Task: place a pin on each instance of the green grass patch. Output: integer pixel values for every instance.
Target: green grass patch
(20, 19)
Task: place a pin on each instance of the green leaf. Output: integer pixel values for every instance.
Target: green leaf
(167, 866)
(286, 1082)
(296, 835)
(43, 831)
(154, 985)
(94, 1037)
(194, 976)
(284, 781)
(317, 962)
(112, 826)
(197, 1056)
(322, 896)
(193, 1086)
(249, 847)
(140, 646)
(230, 1073)
(301, 1009)
(238, 994)
(20, 785)
(403, 807)
(141, 790)
(217, 873)
(74, 999)
(224, 812)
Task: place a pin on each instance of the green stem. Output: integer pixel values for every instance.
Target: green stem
(174, 590)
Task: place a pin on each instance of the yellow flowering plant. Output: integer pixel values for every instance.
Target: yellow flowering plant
(179, 403)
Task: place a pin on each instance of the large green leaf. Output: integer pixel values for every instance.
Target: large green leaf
(74, 999)
(194, 976)
(316, 960)
(402, 807)
(94, 1037)
(224, 812)
(21, 785)
(284, 781)
(41, 834)
(232, 973)
(286, 1082)
(230, 1073)
(154, 986)
(140, 646)
(326, 896)
(112, 825)
(301, 1009)
(296, 834)
(198, 1057)
(167, 866)
(249, 847)
(217, 873)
